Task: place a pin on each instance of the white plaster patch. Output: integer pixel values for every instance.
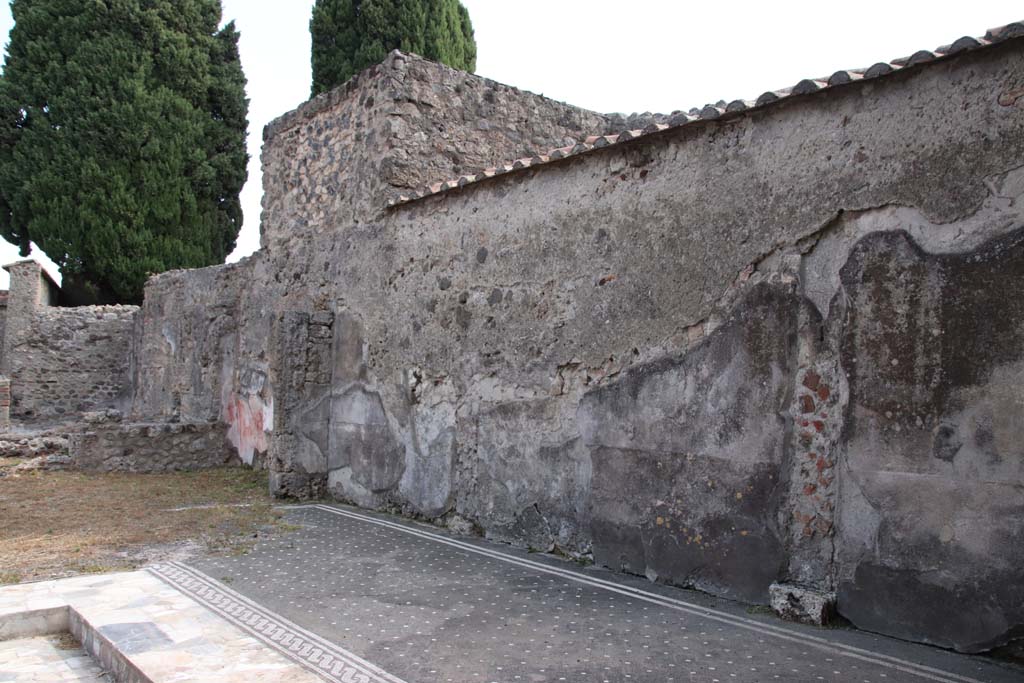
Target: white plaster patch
(1001, 212)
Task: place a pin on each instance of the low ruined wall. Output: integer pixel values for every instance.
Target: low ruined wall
(63, 362)
(776, 346)
(74, 361)
(151, 448)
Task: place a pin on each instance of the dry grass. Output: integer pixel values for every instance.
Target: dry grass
(55, 524)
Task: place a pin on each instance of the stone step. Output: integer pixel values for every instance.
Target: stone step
(49, 658)
(137, 628)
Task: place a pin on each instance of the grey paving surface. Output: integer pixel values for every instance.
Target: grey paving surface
(425, 606)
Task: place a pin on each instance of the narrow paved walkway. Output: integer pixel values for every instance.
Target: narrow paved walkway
(424, 606)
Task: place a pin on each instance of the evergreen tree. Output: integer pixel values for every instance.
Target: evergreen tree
(122, 139)
(351, 35)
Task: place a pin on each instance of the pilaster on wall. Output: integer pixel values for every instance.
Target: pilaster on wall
(31, 288)
(31, 284)
(301, 368)
(5, 403)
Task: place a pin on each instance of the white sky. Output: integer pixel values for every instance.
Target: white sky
(644, 55)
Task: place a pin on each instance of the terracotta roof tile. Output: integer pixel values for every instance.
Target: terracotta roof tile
(680, 119)
(921, 56)
(843, 77)
(808, 85)
(710, 112)
(627, 135)
(961, 44)
(880, 69)
(560, 153)
(1014, 30)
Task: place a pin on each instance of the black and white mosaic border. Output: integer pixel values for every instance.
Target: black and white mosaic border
(319, 656)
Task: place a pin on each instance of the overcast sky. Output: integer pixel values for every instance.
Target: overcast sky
(644, 55)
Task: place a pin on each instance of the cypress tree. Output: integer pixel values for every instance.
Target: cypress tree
(351, 35)
(122, 139)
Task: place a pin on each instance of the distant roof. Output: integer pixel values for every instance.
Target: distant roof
(722, 109)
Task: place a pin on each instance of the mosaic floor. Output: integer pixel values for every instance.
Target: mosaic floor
(352, 597)
(423, 606)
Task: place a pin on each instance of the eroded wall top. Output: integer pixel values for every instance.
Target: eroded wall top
(393, 127)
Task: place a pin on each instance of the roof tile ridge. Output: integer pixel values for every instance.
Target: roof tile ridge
(807, 86)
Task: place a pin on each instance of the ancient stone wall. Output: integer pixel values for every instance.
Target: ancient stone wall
(398, 126)
(151, 448)
(204, 335)
(62, 361)
(769, 346)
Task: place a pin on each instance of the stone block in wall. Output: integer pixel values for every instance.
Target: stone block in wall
(152, 448)
(802, 604)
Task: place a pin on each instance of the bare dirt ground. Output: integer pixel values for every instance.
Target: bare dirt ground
(57, 524)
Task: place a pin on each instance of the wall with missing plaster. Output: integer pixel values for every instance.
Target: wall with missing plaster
(201, 355)
(933, 462)
(672, 355)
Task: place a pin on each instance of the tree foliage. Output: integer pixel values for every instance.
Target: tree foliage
(351, 35)
(122, 138)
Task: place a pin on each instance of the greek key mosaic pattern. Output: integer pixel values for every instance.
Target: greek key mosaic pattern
(315, 654)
